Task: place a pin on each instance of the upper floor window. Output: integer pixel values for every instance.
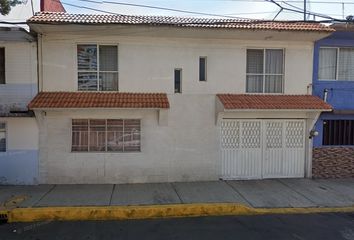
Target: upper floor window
(202, 68)
(178, 80)
(265, 71)
(336, 64)
(2, 137)
(97, 67)
(2, 65)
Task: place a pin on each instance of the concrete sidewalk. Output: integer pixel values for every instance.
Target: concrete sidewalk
(282, 193)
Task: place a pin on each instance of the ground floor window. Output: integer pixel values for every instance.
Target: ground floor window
(106, 135)
(338, 132)
(2, 137)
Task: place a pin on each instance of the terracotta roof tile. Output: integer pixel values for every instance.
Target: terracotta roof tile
(230, 23)
(253, 101)
(99, 100)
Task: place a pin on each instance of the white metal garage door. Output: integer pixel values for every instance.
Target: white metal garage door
(255, 149)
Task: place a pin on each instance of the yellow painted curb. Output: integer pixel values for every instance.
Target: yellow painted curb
(152, 211)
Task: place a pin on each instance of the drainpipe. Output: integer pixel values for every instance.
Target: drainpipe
(309, 86)
(40, 62)
(325, 94)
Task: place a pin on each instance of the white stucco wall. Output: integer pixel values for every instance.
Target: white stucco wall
(185, 150)
(146, 64)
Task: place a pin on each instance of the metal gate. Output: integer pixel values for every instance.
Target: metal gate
(256, 149)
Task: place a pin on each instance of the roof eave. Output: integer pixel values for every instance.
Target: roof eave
(98, 108)
(276, 109)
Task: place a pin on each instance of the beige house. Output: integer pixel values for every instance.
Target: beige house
(128, 99)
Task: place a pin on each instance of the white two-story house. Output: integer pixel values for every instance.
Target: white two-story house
(127, 99)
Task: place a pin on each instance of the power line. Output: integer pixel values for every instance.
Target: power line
(250, 13)
(308, 12)
(208, 14)
(161, 8)
(290, 1)
(301, 11)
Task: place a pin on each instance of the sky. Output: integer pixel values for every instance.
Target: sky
(233, 8)
(255, 9)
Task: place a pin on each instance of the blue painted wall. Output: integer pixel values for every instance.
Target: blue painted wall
(340, 93)
(19, 167)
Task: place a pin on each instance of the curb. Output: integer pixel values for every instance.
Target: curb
(151, 211)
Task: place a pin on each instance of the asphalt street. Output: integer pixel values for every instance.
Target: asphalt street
(332, 226)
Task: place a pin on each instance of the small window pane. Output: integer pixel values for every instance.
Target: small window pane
(97, 135)
(108, 58)
(131, 135)
(178, 76)
(115, 135)
(202, 69)
(87, 57)
(115, 141)
(87, 81)
(254, 84)
(108, 81)
(274, 61)
(2, 137)
(327, 63)
(273, 84)
(79, 135)
(2, 65)
(346, 64)
(254, 61)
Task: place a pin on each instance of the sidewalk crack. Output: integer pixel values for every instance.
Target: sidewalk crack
(110, 199)
(233, 188)
(40, 199)
(179, 197)
(286, 185)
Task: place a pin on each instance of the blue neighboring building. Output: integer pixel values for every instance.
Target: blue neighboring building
(333, 81)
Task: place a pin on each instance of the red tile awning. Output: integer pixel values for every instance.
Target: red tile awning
(99, 100)
(272, 102)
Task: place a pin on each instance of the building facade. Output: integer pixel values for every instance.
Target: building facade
(18, 126)
(127, 99)
(333, 81)
(19, 138)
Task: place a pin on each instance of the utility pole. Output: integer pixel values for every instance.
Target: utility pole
(305, 10)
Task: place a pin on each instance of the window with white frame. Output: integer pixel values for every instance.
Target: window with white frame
(336, 64)
(2, 137)
(265, 71)
(97, 67)
(106, 135)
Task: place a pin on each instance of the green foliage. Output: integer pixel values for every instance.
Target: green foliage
(5, 6)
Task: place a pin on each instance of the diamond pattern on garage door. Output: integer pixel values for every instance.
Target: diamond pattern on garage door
(231, 134)
(262, 148)
(294, 134)
(251, 132)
